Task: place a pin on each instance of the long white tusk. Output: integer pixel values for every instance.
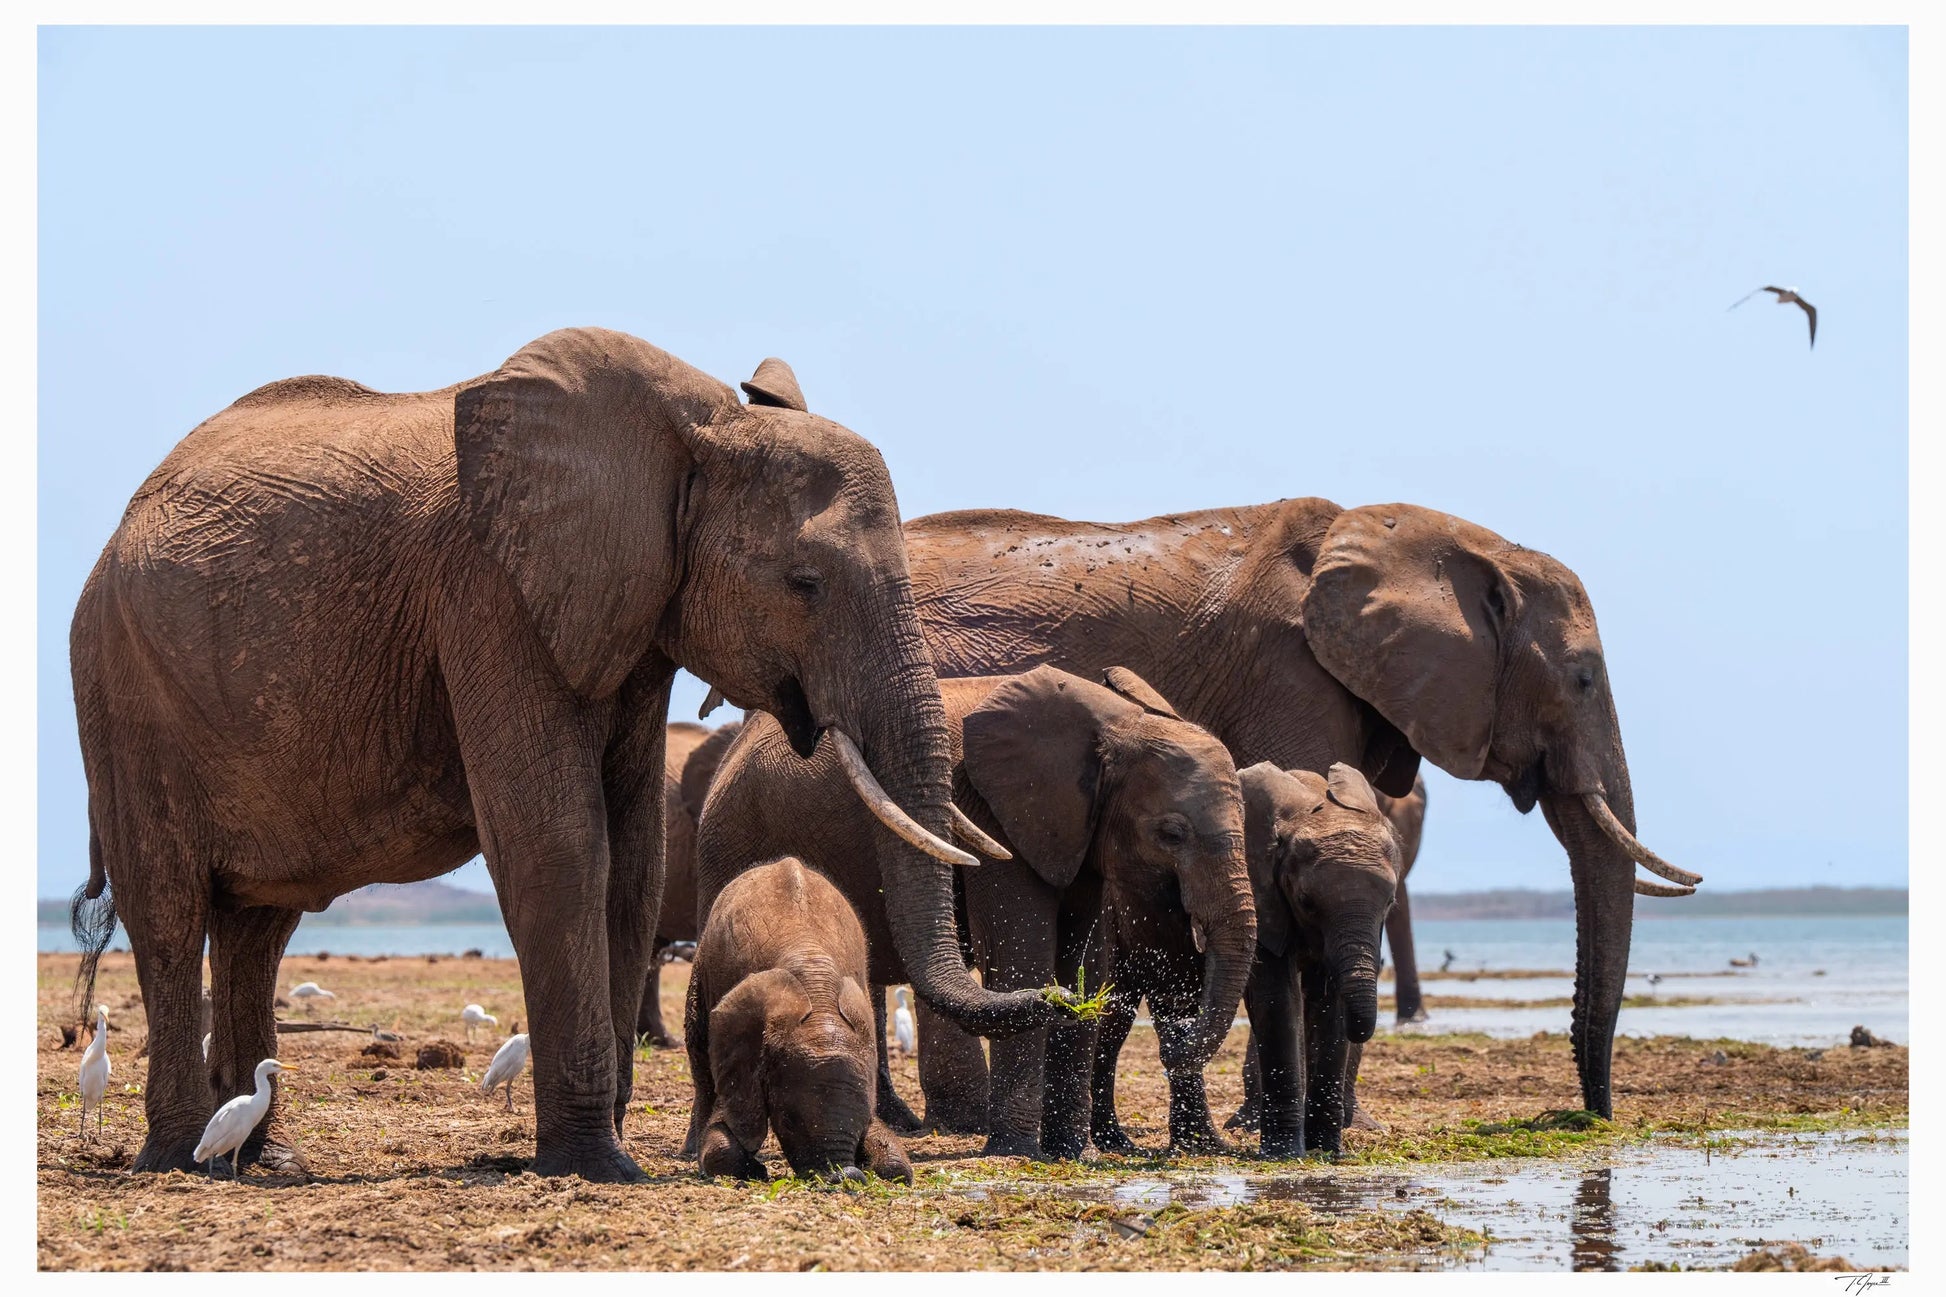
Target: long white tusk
(1605, 819)
(880, 803)
(972, 835)
(1645, 888)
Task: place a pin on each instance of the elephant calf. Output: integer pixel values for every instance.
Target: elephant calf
(780, 1033)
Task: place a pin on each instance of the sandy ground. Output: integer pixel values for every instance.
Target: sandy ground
(412, 1169)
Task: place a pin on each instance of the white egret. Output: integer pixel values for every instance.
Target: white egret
(903, 1029)
(308, 993)
(505, 1067)
(235, 1120)
(473, 1015)
(94, 1071)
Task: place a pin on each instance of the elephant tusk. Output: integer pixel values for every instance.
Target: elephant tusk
(711, 701)
(972, 835)
(880, 803)
(1605, 819)
(1645, 888)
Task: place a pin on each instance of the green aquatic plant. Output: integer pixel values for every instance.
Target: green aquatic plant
(1084, 1007)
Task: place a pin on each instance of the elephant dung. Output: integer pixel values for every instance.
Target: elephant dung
(440, 1053)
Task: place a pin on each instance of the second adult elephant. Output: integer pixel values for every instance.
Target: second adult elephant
(1303, 633)
(1102, 795)
(689, 763)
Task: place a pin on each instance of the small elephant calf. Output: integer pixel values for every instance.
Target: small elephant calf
(781, 1034)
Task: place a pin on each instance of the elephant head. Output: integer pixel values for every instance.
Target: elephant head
(1486, 657)
(639, 509)
(792, 1050)
(1074, 770)
(1324, 865)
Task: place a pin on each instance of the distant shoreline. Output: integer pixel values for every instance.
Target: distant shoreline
(437, 904)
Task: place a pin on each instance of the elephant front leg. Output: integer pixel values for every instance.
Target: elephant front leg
(648, 1019)
(1117, 1020)
(695, 1035)
(1326, 1049)
(246, 949)
(1066, 1090)
(1250, 1113)
(1191, 1129)
(1276, 1004)
(632, 775)
(953, 1074)
(1405, 959)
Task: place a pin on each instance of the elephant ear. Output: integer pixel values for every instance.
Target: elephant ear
(855, 1007)
(1138, 691)
(1270, 798)
(573, 465)
(1348, 788)
(737, 1028)
(1408, 610)
(774, 384)
(1033, 751)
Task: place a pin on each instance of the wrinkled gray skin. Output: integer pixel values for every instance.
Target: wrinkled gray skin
(781, 1037)
(1092, 788)
(345, 637)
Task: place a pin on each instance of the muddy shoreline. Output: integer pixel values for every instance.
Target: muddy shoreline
(413, 1169)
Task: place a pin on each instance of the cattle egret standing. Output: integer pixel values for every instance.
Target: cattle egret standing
(309, 993)
(903, 1030)
(235, 1120)
(94, 1071)
(473, 1015)
(505, 1067)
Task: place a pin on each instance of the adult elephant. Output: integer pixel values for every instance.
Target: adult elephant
(1407, 816)
(1303, 634)
(690, 761)
(345, 637)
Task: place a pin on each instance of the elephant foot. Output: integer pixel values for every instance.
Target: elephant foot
(168, 1155)
(280, 1159)
(598, 1165)
(1065, 1148)
(892, 1110)
(1113, 1139)
(1362, 1120)
(1418, 1014)
(1281, 1148)
(1203, 1141)
(661, 1040)
(1003, 1145)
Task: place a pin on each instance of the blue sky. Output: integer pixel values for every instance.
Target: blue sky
(1104, 274)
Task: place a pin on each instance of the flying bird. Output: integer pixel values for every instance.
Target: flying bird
(505, 1067)
(903, 1029)
(309, 993)
(1785, 297)
(473, 1015)
(94, 1071)
(235, 1120)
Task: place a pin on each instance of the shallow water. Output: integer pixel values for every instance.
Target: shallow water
(1839, 1194)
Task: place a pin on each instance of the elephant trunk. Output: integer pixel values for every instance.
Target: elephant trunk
(1229, 952)
(1603, 868)
(904, 740)
(1354, 970)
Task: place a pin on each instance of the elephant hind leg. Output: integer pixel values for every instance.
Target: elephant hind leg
(1117, 1020)
(953, 1071)
(246, 950)
(890, 1108)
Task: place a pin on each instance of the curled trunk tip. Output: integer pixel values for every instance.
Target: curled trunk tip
(1605, 820)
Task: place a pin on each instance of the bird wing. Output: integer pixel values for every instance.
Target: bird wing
(1741, 300)
(1812, 313)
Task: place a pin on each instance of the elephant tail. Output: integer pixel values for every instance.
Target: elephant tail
(91, 918)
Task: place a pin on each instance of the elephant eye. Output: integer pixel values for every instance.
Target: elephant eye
(805, 582)
(1586, 680)
(1171, 831)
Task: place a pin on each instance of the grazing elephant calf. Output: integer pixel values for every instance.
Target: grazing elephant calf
(1097, 791)
(781, 1036)
(689, 764)
(1324, 864)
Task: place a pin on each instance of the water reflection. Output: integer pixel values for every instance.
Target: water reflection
(1592, 1223)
